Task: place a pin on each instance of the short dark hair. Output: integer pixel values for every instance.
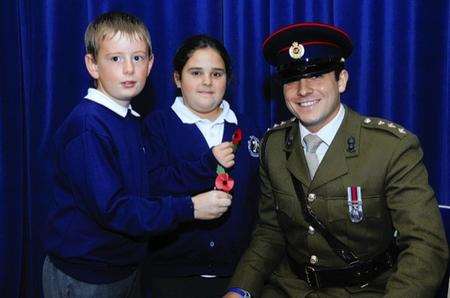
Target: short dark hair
(337, 71)
(193, 43)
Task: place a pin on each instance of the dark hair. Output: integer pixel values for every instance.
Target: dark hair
(338, 70)
(193, 43)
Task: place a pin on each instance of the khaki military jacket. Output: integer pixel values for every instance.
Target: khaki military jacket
(386, 163)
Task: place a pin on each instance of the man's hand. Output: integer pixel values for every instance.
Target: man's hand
(211, 204)
(224, 154)
(232, 295)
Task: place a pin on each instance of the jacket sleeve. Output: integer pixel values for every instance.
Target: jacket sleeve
(423, 247)
(267, 246)
(173, 175)
(90, 164)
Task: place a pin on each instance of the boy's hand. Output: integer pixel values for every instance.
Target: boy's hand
(224, 154)
(211, 204)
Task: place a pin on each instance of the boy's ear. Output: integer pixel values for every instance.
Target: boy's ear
(176, 78)
(91, 66)
(150, 64)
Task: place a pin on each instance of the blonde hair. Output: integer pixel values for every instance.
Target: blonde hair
(109, 24)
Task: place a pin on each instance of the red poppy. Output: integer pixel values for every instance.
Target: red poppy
(224, 182)
(237, 136)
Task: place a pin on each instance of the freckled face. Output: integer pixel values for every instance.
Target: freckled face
(203, 83)
(315, 101)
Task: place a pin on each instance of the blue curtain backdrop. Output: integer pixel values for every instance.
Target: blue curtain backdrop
(399, 70)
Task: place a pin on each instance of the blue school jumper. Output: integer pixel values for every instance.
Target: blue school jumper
(101, 209)
(181, 163)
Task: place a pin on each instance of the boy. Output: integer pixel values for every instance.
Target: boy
(100, 214)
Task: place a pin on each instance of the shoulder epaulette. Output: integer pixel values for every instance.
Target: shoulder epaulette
(385, 125)
(275, 127)
(282, 124)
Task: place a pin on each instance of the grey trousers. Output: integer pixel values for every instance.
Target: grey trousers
(57, 284)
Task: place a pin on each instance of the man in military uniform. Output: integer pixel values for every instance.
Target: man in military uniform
(346, 209)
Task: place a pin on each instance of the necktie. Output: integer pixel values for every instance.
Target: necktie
(312, 143)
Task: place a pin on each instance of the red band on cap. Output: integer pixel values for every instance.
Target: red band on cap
(305, 25)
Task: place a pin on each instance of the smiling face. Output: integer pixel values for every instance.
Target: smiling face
(121, 67)
(315, 101)
(203, 83)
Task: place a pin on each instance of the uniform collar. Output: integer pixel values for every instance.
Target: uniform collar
(188, 117)
(350, 132)
(102, 99)
(334, 163)
(328, 132)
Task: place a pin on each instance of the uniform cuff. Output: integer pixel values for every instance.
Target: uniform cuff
(184, 208)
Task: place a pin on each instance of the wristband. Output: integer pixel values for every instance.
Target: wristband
(243, 293)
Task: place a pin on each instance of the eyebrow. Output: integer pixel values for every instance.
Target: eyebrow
(201, 68)
(121, 53)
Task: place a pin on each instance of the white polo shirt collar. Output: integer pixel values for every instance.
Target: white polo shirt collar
(104, 100)
(188, 117)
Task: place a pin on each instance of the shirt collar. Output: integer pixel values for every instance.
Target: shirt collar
(327, 132)
(188, 117)
(102, 99)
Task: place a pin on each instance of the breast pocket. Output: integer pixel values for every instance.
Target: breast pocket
(288, 210)
(366, 234)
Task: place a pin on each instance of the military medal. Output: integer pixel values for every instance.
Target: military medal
(354, 198)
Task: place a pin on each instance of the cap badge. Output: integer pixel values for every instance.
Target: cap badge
(296, 51)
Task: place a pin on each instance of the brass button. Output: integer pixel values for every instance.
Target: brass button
(311, 230)
(311, 197)
(314, 259)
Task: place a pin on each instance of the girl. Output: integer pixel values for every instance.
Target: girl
(189, 141)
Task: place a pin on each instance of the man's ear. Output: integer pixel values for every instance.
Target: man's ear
(177, 79)
(342, 82)
(91, 65)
